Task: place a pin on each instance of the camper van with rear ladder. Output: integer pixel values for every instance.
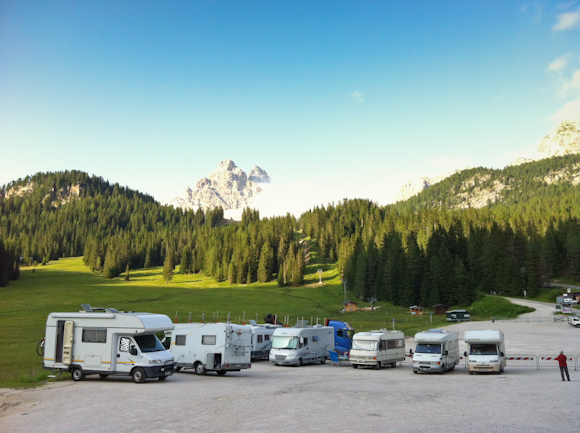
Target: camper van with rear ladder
(377, 349)
(219, 347)
(107, 342)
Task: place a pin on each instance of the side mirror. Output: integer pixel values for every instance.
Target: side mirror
(411, 351)
(501, 354)
(465, 354)
(446, 353)
(133, 351)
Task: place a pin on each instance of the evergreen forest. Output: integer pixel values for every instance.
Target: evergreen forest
(423, 251)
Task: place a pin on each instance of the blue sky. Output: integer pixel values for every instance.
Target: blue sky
(335, 99)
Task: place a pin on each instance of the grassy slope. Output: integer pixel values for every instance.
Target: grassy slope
(65, 284)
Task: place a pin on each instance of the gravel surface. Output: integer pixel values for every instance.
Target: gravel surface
(323, 397)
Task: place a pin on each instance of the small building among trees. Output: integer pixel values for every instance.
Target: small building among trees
(440, 309)
(416, 310)
(350, 305)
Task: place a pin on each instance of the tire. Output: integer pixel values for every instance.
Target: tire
(138, 375)
(77, 374)
(394, 364)
(415, 371)
(162, 378)
(199, 369)
(442, 371)
(177, 368)
(300, 362)
(221, 372)
(377, 366)
(40, 348)
(471, 373)
(354, 365)
(323, 361)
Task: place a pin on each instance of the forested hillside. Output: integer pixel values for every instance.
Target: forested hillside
(481, 187)
(406, 254)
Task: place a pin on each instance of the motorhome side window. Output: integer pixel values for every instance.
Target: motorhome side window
(400, 343)
(94, 335)
(383, 345)
(259, 338)
(208, 339)
(180, 340)
(267, 337)
(392, 344)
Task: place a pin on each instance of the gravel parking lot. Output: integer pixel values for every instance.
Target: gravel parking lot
(323, 397)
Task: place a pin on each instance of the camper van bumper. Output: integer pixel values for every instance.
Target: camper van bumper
(159, 371)
(427, 366)
(485, 368)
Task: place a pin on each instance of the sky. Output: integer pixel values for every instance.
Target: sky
(334, 99)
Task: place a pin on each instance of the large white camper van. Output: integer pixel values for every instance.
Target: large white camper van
(486, 351)
(262, 339)
(436, 351)
(377, 348)
(219, 347)
(107, 342)
(298, 346)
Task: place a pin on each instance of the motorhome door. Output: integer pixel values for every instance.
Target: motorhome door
(127, 355)
(67, 342)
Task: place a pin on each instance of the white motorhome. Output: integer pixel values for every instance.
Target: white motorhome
(262, 339)
(219, 347)
(574, 321)
(436, 351)
(298, 346)
(377, 348)
(107, 342)
(486, 351)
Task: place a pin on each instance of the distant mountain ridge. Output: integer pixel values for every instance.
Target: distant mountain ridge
(228, 187)
(563, 139)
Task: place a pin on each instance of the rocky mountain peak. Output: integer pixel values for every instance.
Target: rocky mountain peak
(227, 186)
(563, 139)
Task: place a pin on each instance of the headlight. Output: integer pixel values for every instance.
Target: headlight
(155, 361)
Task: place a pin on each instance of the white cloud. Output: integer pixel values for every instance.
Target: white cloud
(449, 162)
(357, 95)
(570, 111)
(560, 63)
(567, 20)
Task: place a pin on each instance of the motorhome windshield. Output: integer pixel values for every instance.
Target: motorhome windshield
(483, 349)
(279, 342)
(364, 345)
(428, 348)
(148, 343)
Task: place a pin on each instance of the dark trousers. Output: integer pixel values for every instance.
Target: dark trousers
(564, 370)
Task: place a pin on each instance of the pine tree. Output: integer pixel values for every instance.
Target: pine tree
(127, 273)
(168, 265)
(280, 279)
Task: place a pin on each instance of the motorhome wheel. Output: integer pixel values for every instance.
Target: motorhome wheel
(415, 371)
(221, 372)
(300, 362)
(354, 365)
(199, 368)
(77, 374)
(323, 361)
(442, 369)
(471, 372)
(138, 375)
(377, 365)
(394, 364)
(103, 376)
(162, 377)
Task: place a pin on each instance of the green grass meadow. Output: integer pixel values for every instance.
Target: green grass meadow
(65, 284)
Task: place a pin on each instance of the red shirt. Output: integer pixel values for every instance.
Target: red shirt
(562, 360)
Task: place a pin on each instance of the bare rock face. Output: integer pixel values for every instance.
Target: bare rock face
(414, 187)
(228, 186)
(564, 139)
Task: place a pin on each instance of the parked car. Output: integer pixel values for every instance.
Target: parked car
(570, 301)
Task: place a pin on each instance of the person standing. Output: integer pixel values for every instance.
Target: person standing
(563, 365)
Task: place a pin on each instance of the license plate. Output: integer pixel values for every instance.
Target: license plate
(237, 365)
